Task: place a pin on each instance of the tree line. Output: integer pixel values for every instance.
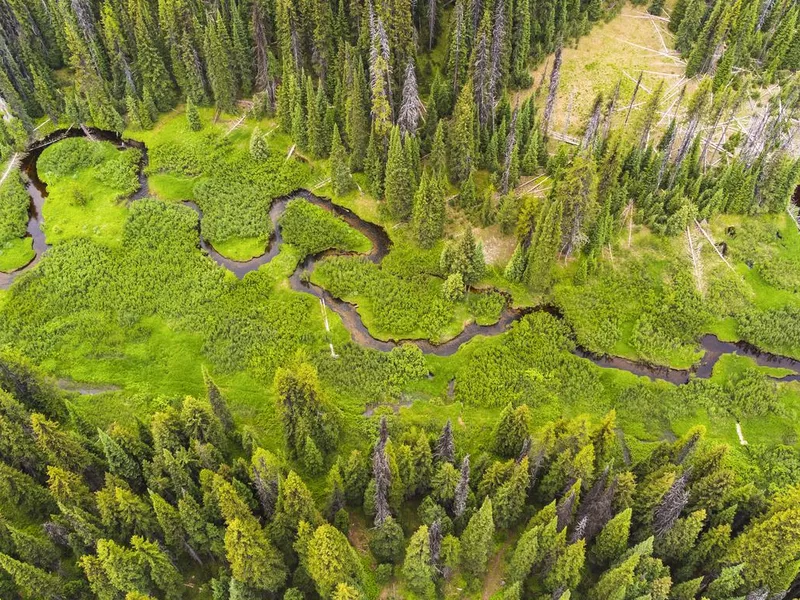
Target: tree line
(133, 511)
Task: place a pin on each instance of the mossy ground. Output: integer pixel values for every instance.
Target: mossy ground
(15, 254)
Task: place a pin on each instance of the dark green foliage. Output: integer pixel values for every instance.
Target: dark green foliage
(386, 541)
(14, 203)
(312, 229)
(305, 410)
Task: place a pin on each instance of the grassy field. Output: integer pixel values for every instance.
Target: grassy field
(15, 254)
(614, 52)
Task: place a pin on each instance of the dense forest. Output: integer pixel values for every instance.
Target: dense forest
(189, 500)
(235, 443)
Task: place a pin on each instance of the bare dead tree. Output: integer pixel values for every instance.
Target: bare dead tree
(551, 95)
(477, 12)
(266, 490)
(458, 34)
(579, 531)
(481, 82)
(511, 142)
(411, 108)
(596, 507)
(671, 506)
(445, 445)
(758, 594)
(498, 37)
(609, 113)
(435, 543)
(524, 451)
(431, 22)
(264, 80)
(462, 489)
(762, 17)
(594, 123)
(564, 510)
(633, 97)
(382, 475)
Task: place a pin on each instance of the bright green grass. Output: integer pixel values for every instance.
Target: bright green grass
(242, 249)
(86, 202)
(172, 187)
(15, 254)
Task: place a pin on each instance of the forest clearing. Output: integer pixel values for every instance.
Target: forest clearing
(489, 299)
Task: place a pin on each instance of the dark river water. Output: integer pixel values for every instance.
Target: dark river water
(381, 244)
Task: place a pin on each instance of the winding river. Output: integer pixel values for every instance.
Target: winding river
(381, 244)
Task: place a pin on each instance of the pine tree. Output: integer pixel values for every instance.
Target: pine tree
(418, 570)
(119, 463)
(477, 541)
(357, 123)
(515, 269)
(438, 155)
(220, 71)
(192, 116)
(512, 430)
(613, 539)
(34, 582)
(509, 501)
(341, 180)
(374, 166)
(259, 148)
(253, 559)
(398, 181)
(462, 136)
(429, 211)
(544, 247)
(305, 410)
(332, 561)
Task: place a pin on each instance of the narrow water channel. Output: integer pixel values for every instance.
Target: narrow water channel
(381, 245)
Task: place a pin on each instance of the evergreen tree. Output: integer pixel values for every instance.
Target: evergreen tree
(218, 61)
(509, 501)
(32, 581)
(429, 211)
(418, 569)
(259, 148)
(119, 463)
(399, 180)
(332, 561)
(305, 410)
(512, 430)
(253, 559)
(477, 541)
(192, 116)
(613, 539)
(340, 171)
(462, 136)
(438, 155)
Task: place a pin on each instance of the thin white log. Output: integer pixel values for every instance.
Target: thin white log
(742, 441)
(235, 125)
(12, 163)
(713, 245)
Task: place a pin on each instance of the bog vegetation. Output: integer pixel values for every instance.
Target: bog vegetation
(227, 438)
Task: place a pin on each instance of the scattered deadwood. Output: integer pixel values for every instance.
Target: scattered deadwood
(235, 125)
(694, 254)
(713, 245)
(11, 164)
(795, 219)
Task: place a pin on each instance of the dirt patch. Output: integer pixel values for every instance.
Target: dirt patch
(357, 534)
(494, 578)
(497, 248)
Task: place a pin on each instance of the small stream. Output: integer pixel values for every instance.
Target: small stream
(381, 245)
